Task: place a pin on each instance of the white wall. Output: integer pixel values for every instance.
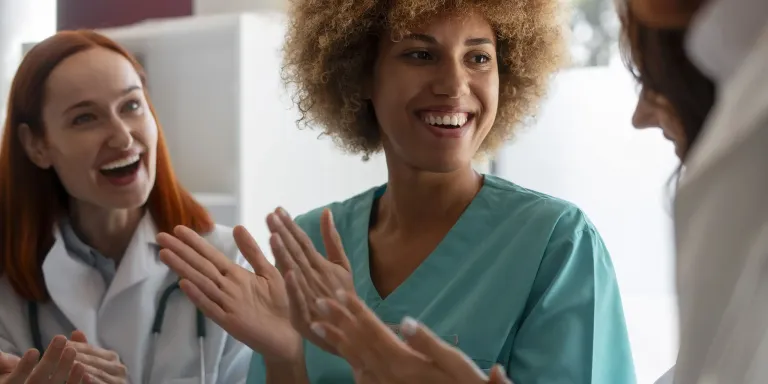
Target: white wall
(20, 21)
(583, 149)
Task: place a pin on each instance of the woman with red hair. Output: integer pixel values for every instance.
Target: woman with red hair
(85, 185)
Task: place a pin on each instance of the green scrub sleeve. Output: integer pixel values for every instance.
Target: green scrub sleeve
(574, 331)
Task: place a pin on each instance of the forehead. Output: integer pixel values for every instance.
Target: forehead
(450, 27)
(95, 74)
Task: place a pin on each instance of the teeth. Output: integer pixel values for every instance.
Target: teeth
(454, 119)
(120, 163)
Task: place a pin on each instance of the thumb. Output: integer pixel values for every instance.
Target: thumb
(498, 376)
(79, 337)
(422, 340)
(332, 240)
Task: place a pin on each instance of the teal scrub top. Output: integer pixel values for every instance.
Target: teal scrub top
(522, 279)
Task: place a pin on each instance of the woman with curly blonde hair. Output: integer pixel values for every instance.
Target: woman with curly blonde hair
(507, 275)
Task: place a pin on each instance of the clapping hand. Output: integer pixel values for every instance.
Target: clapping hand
(372, 349)
(57, 366)
(251, 306)
(309, 276)
(102, 365)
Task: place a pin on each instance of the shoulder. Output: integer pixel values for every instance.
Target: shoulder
(345, 213)
(223, 239)
(555, 218)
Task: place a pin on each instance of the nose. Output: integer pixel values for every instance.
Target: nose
(645, 114)
(122, 135)
(451, 79)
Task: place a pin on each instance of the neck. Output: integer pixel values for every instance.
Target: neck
(415, 200)
(723, 34)
(108, 231)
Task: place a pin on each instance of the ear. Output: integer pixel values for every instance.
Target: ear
(34, 146)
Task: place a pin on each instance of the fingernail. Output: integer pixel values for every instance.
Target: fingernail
(318, 330)
(409, 326)
(59, 342)
(283, 212)
(502, 371)
(322, 305)
(342, 296)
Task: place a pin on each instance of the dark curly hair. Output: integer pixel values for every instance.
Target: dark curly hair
(331, 48)
(658, 60)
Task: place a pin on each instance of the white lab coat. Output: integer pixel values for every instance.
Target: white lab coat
(122, 320)
(721, 220)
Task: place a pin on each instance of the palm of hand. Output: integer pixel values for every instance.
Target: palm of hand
(265, 321)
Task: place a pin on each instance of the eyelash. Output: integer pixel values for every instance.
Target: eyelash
(414, 55)
(78, 119)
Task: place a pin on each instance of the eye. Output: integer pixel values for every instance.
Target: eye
(85, 118)
(481, 59)
(419, 55)
(132, 106)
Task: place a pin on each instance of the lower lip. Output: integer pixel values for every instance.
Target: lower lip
(123, 180)
(449, 133)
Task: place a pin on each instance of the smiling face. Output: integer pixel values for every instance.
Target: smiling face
(655, 111)
(435, 92)
(100, 136)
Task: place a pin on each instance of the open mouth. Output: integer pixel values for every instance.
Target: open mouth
(121, 168)
(447, 120)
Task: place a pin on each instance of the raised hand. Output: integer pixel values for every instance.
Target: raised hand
(251, 306)
(57, 366)
(102, 365)
(309, 276)
(372, 349)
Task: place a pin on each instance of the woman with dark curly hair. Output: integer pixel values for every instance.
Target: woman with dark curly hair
(506, 274)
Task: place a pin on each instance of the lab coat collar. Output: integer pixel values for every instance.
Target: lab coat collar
(723, 34)
(79, 291)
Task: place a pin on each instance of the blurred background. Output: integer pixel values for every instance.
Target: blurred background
(213, 70)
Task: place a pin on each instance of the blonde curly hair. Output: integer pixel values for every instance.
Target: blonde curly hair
(331, 48)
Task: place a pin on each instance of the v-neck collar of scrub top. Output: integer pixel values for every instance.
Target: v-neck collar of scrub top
(417, 286)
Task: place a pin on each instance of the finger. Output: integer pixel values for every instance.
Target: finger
(300, 315)
(307, 246)
(498, 376)
(283, 260)
(198, 261)
(309, 285)
(374, 328)
(8, 362)
(201, 300)
(47, 365)
(182, 267)
(64, 366)
(294, 250)
(77, 375)
(203, 247)
(97, 363)
(97, 375)
(422, 340)
(342, 343)
(24, 368)
(251, 251)
(332, 241)
(78, 336)
(90, 350)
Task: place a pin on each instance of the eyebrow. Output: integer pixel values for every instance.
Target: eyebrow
(86, 103)
(431, 40)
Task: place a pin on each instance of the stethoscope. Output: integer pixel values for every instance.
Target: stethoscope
(157, 325)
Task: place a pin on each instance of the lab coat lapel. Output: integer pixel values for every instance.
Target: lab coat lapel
(75, 287)
(129, 306)
(139, 262)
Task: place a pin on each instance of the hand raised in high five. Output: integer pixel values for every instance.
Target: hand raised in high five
(251, 306)
(309, 276)
(102, 365)
(57, 366)
(372, 349)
